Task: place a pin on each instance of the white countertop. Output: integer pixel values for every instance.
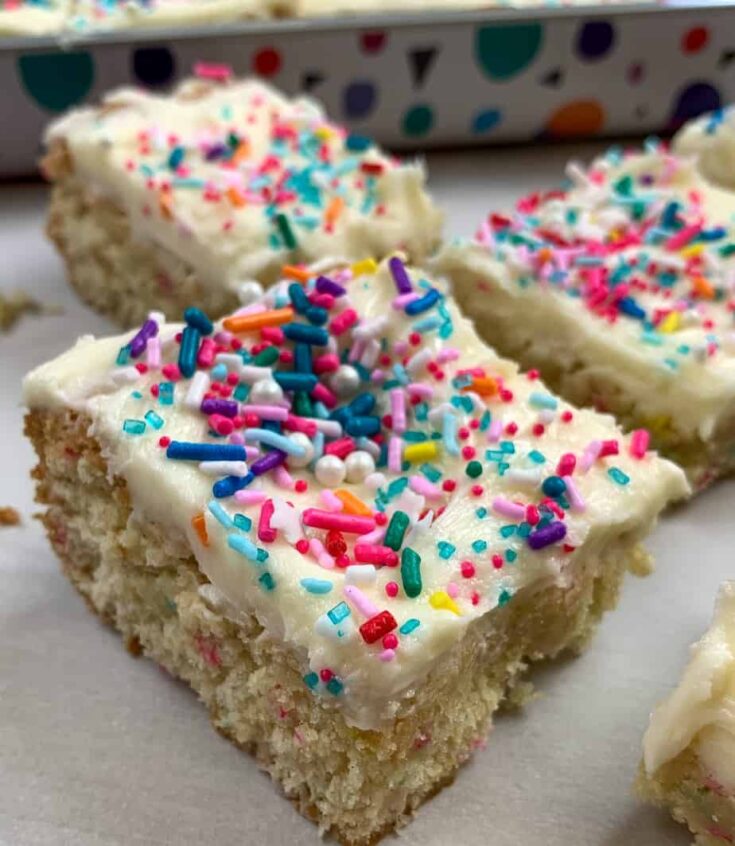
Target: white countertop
(98, 748)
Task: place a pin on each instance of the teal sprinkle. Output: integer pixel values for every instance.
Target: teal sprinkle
(428, 324)
(479, 546)
(651, 338)
(136, 395)
(357, 143)
(446, 331)
(510, 555)
(671, 364)
(485, 421)
(316, 586)
(446, 550)
(502, 467)
(267, 582)
(431, 473)
(494, 454)
(409, 626)
(339, 612)
(508, 447)
(153, 419)
(176, 157)
(617, 475)
(241, 392)
(504, 597)
(481, 512)
(311, 680)
(508, 531)
(524, 529)
(414, 437)
(262, 555)
(220, 515)
(537, 457)
(421, 412)
(335, 686)
(134, 427)
(243, 523)
(123, 356)
(166, 393)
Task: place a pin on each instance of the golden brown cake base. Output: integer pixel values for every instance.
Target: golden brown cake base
(142, 578)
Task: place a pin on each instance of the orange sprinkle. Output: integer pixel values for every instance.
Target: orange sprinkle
(235, 197)
(545, 254)
(259, 320)
(333, 211)
(703, 288)
(165, 204)
(352, 504)
(485, 386)
(292, 271)
(242, 152)
(200, 527)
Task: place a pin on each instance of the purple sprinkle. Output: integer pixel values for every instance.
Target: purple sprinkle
(148, 330)
(226, 408)
(325, 285)
(547, 535)
(400, 277)
(216, 151)
(268, 462)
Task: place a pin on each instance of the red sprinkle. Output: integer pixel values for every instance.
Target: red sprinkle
(376, 627)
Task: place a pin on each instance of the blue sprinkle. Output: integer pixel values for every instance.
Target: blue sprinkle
(422, 304)
(540, 400)
(409, 626)
(227, 486)
(219, 372)
(153, 419)
(317, 586)
(220, 515)
(339, 612)
(244, 546)
(134, 427)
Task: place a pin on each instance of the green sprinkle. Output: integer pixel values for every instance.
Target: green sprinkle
(316, 586)
(479, 546)
(134, 427)
(409, 626)
(396, 530)
(411, 572)
(335, 686)
(266, 581)
(504, 597)
(510, 555)
(617, 475)
(284, 228)
(303, 405)
(153, 419)
(123, 356)
(266, 357)
(446, 550)
(311, 680)
(431, 473)
(473, 469)
(261, 555)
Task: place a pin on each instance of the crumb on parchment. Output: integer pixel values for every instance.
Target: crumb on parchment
(9, 516)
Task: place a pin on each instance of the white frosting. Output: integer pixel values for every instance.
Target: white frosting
(219, 217)
(700, 713)
(710, 139)
(171, 492)
(666, 374)
(34, 19)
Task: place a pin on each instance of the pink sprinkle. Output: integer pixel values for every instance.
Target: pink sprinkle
(401, 301)
(153, 352)
(266, 412)
(398, 409)
(327, 363)
(589, 456)
(420, 389)
(376, 536)
(391, 588)
(283, 478)
(611, 447)
(508, 509)
(387, 655)
(324, 559)
(321, 393)
(448, 354)
(213, 71)
(453, 590)
(331, 501)
(683, 237)
(343, 321)
(207, 350)
(360, 601)
(395, 449)
(273, 334)
(421, 485)
(576, 502)
(495, 430)
(639, 441)
(357, 350)
(266, 533)
(237, 438)
(250, 497)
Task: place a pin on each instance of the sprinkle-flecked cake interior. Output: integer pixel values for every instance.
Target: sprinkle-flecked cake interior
(163, 202)
(689, 748)
(619, 289)
(343, 520)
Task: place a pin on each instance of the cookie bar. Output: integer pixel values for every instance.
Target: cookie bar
(343, 520)
(619, 290)
(689, 748)
(162, 202)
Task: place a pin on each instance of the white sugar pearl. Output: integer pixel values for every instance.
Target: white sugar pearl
(346, 381)
(359, 465)
(248, 292)
(330, 471)
(265, 392)
(303, 441)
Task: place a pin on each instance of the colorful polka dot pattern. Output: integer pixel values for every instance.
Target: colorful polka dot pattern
(548, 78)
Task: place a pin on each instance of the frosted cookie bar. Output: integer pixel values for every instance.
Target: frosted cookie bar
(710, 139)
(689, 748)
(161, 202)
(619, 290)
(343, 520)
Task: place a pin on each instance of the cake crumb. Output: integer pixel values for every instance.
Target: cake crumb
(9, 516)
(13, 306)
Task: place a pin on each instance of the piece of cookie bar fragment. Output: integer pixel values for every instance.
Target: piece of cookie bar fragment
(343, 520)
(619, 290)
(689, 749)
(161, 202)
